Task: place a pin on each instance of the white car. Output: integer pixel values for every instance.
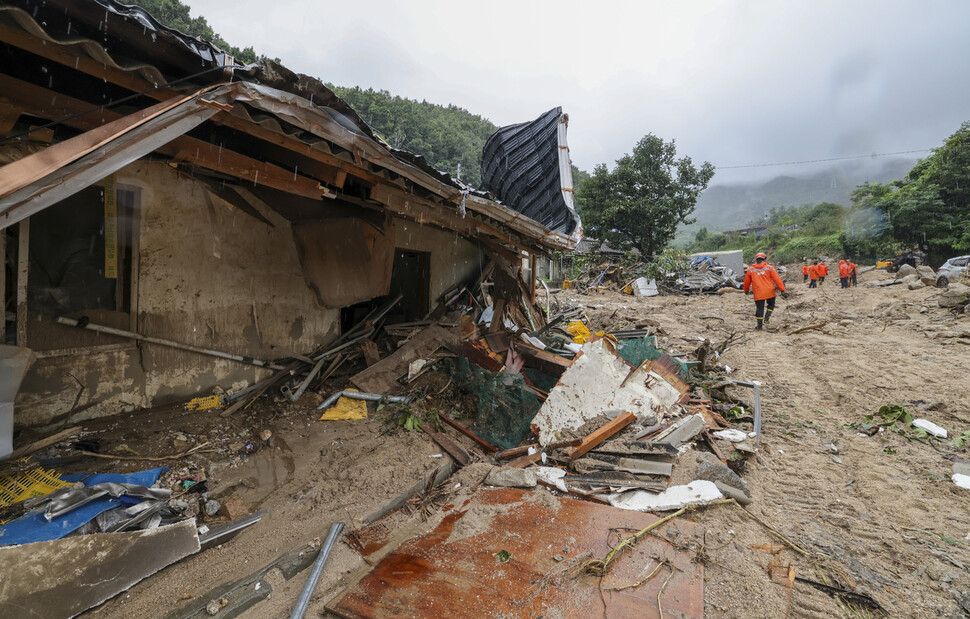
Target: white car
(951, 271)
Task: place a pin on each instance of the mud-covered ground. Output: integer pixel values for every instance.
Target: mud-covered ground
(879, 511)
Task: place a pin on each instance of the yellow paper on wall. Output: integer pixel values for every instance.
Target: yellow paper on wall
(346, 408)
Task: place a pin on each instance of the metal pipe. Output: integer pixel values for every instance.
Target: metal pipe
(311, 581)
(369, 397)
(294, 396)
(155, 340)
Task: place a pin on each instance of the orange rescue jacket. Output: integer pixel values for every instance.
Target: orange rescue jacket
(813, 272)
(843, 269)
(804, 269)
(762, 280)
(823, 269)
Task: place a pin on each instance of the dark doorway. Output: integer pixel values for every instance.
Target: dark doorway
(410, 278)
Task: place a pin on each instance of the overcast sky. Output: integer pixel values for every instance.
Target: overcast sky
(734, 82)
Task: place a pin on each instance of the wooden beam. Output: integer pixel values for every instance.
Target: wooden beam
(3, 286)
(9, 115)
(85, 64)
(601, 434)
(23, 272)
(342, 168)
(47, 104)
(211, 157)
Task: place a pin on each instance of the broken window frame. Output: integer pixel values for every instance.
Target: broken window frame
(127, 281)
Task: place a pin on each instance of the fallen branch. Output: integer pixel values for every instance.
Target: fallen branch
(196, 449)
(646, 578)
(817, 325)
(599, 567)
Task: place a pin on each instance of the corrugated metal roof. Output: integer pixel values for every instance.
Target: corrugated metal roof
(137, 43)
(521, 165)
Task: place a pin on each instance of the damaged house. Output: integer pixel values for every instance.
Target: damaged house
(166, 199)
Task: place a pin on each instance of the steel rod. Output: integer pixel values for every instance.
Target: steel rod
(311, 581)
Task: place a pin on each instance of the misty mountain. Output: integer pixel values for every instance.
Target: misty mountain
(726, 207)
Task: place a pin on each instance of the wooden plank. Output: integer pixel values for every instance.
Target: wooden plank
(515, 451)
(454, 449)
(371, 354)
(601, 434)
(524, 461)
(454, 424)
(382, 376)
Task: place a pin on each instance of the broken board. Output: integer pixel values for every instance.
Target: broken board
(382, 376)
(454, 571)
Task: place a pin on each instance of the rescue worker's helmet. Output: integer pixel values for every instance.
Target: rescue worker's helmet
(760, 255)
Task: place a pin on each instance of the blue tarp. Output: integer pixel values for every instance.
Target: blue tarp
(33, 527)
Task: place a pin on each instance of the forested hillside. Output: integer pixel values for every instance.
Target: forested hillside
(447, 136)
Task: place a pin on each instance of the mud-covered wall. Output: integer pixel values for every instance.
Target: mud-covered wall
(453, 258)
(209, 275)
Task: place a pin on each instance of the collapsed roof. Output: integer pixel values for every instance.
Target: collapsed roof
(112, 84)
(527, 166)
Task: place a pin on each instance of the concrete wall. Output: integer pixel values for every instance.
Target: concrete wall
(211, 276)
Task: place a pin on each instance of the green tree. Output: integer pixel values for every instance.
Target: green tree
(644, 198)
(930, 207)
(174, 14)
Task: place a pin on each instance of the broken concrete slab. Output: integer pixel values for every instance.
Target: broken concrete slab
(552, 476)
(510, 477)
(961, 480)
(718, 472)
(594, 384)
(698, 492)
(65, 577)
(630, 465)
(683, 431)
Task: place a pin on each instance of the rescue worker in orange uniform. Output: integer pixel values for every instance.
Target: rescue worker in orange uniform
(823, 270)
(813, 275)
(805, 272)
(844, 273)
(762, 279)
(853, 273)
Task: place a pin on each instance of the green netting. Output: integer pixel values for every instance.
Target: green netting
(540, 379)
(637, 351)
(506, 406)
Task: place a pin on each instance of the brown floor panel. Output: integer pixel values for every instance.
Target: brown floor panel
(453, 571)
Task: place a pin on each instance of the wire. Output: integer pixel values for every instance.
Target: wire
(767, 165)
(109, 104)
